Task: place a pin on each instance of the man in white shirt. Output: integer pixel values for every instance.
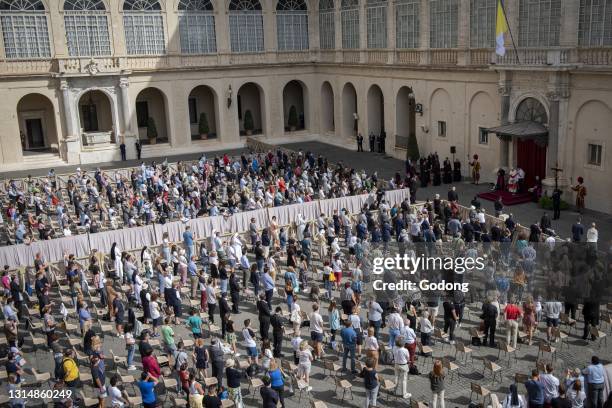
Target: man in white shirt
(395, 324)
(550, 383)
(409, 340)
(316, 330)
(592, 235)
(552, 310)
(401, 356)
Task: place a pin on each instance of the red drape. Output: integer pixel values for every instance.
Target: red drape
(531, 157)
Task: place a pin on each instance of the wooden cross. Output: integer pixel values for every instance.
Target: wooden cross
(557, 170)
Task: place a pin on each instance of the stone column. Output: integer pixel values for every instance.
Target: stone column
(124, 84)
(424, 31)
(504, 88)
(463, 32)
(390, 31)
(71, 144)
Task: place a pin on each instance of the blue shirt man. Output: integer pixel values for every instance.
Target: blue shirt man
(535, 390)
(192, 268)
(188, 241)
(349, 340)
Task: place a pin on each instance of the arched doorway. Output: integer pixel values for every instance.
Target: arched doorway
(327, 108)
(293, 106)
(37, 129)
(376, 110)
(151, 116)
(250, 113)
(349, 111)
(96, 118)
(531, 153)
(404, 117)
(203, 113)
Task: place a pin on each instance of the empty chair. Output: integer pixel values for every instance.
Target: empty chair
(345, 386)
(507, 349)
(254, 384)
(493, 368)
(544, 348)
(480, 391)
(598, 336)
(465, 351)
(451, 367)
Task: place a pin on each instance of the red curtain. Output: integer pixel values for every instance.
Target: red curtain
(531, 157)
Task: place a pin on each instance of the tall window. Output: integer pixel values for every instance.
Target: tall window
(349, 16)
(483, 14)
(595, 23)
(443, 23)
(246, 26)
(144, 27)
(197, 27)
(24, 29)
(539, 23)
(327, 24)
(407, 23)
(376, 14)
(292, 25)
(86, 28)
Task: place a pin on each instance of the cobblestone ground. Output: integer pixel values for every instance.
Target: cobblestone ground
(574, 353)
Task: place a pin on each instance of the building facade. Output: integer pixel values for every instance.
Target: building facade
(80, 77)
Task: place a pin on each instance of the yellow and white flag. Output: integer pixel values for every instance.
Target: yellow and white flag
(501, 28)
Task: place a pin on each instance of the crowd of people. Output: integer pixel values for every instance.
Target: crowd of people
(45, 208)
(308, 283)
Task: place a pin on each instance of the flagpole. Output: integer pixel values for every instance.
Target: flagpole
(510, 31)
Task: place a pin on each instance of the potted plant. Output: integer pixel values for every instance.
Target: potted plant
(292, 121)
(249, 126)
(203, 126)
(151, 131)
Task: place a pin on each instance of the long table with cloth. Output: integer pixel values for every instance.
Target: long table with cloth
(149, 235)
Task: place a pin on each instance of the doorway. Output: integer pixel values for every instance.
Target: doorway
(531, 157)
(34, 133)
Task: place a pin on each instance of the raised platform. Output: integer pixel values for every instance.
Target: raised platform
(507, 197)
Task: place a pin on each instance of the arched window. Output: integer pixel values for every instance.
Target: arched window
(407, 23)
(24, 29)
(144, 27)
(595, 23)
(483, 14)
(376, 15)
(327, 25)
(246, 26)
(197, 27)
(443, 26)
(539, 23)
(349, 17)
(292, 25)
(86, 28)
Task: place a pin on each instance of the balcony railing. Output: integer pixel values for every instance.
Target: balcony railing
(531, 57)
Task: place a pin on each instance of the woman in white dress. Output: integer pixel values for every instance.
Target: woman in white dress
(305, 362)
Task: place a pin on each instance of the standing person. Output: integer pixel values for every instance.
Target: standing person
(349, 341)
(556, 202)
(489, 316)
(277, 381)
(359, 142)
(211, 300)
(371, 346)
(450, 318)
(138, 149)
(233, 382)
(276, 321)
(401, 357)
(372, 139)
(516, 400)
(248, 336)
(595, 379)
(269, 397)
(590, 312)
(550, 383)
(529, 318)
(475, 174)
(395, 324)
(577, 230)
(436, 383)
(581, 193)
(535, 390)
(592, 235)
(122, 150)
(146, 385)
(217, 362)
(98, 378)
(234, 286)
(264, 312)
(371, 382)
(576, 395)
(375, 312)
(551, 310)
(305, 362)
(194, 322)
(334, 322)
(316, 330)
(512, 313)
(71, 370)
(224, 313)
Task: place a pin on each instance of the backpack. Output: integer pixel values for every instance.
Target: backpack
(288, 285)
(413, 370)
